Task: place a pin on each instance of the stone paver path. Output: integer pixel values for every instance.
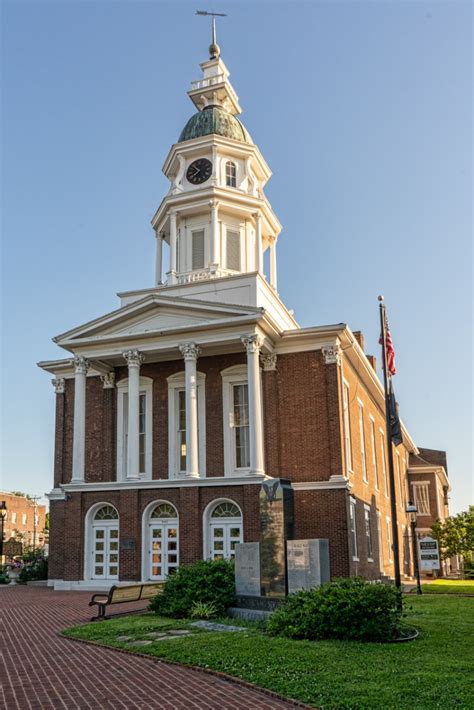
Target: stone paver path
(41, 670)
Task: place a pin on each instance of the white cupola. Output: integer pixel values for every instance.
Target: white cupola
(215, 217)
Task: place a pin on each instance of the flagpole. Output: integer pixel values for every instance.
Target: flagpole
(391, 468)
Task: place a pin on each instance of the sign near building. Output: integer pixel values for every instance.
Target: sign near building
(12, 548)
(428, 551)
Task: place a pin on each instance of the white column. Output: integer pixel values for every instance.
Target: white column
(258, 243)
(273, 265)
(215, 236)
(190, 353)
(134, 360)
(81, 365)
(173, 238)
(159, 258)
(253, 344)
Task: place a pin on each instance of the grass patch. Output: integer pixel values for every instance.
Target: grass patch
(432, 672)
(449, 586)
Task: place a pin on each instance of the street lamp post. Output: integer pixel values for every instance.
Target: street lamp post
(412, 510)
(3, 510)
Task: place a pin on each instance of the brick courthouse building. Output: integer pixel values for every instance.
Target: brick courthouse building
(172, 409)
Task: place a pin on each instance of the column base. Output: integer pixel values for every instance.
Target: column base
(256, 472)
(192, 475)
(77, 480)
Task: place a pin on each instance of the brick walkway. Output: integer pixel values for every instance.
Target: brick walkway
(42, 670)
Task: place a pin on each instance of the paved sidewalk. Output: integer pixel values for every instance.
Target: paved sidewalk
(40, 669)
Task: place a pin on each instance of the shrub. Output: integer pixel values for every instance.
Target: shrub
(206, 581)
(4, 578)
(203, 610)
(36, 569)
(343, 609)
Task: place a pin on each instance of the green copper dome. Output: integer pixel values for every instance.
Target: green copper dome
(214, 119)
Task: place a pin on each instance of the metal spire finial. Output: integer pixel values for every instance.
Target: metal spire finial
(214, 49)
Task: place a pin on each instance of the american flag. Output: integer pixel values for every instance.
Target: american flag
(389, 349)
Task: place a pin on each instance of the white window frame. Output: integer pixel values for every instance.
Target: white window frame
(346, 415)
(375, 467)
(14, 518)
(363, 453)
(206, 523)
(146, 523)
(176, 383)
(146, 388)
(383, 450)
(193, 231)
(353, 528)
(234, 177)
(186, 251)
(369, 537)
(89, 541)
(235, 375)
(421, 509)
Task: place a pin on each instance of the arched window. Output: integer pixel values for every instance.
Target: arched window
(102, 542)
(227, 509)
(223, 528)
(230, 174)
(164, 510)
(161, 541)
(107, 512)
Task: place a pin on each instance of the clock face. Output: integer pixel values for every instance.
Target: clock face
(199, 171)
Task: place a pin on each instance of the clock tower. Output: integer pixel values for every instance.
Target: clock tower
(215, 218)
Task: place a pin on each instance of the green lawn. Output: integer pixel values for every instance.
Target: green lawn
(434, 671)
(449, 586)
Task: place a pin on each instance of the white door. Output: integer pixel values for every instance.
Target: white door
(163, 550)
(105, 551)
(225, 535)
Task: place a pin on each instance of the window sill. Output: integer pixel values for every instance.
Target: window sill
(355, 559)
(370, 559)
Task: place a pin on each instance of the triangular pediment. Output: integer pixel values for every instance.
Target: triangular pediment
(154, 314)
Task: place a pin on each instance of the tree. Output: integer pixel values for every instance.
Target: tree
(455, 535)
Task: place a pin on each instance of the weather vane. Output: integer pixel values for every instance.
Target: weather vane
(214, 49)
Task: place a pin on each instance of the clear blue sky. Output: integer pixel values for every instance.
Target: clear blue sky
(363, 111)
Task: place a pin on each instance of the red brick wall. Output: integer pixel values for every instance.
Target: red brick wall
(323, 514)
(68, 520)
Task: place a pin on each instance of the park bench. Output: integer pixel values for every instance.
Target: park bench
(122, 595)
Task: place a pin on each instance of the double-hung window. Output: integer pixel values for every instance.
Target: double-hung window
(389, 539)
(347, 427)
(353, 528)
(144, 428)
(230, 174)
(374, 453)
(384, 465)
(235, 397)
(177, 425)
(362, 442)
(368, 534)
(421, 494)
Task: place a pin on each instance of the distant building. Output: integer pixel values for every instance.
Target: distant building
(173, 409)
(22, 518)
(429, 488)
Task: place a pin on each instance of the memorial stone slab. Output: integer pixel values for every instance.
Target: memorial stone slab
(247, 568)
(308, 564)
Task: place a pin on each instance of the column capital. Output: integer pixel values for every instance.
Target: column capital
(257, 216)
(134, 358)
(332, 354)
(269, 362)
(190, 351)
(108, 380)
(81, 365)
(252, 342)
(214, 203)
(59, 384)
